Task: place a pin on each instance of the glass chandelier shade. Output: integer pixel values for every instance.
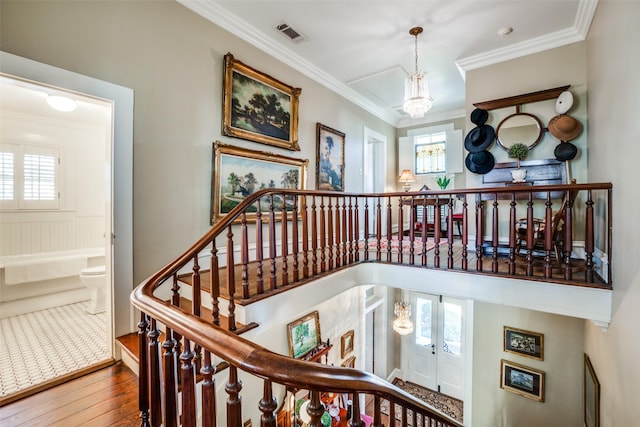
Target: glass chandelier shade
(416, 90)
(403, 324)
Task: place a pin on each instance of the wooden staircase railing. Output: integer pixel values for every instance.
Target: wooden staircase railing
(278, 239)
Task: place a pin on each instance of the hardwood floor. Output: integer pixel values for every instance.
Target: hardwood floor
(108, 397)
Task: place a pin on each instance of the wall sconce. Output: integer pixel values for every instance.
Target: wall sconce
(403, 324)
(406, 178)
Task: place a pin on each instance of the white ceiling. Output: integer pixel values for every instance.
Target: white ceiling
(362, 49)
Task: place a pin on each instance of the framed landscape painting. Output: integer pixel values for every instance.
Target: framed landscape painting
(303, 335)
(238, 173)
(519, 379)
(259, 108)
(329, 159)
(524, 343)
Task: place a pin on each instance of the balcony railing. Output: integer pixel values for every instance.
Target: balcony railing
(278, 239)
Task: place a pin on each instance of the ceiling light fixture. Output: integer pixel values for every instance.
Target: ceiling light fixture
(416, 91)
(403, 324)
(61, 103)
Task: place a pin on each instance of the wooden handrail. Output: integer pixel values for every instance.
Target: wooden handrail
(319, 233)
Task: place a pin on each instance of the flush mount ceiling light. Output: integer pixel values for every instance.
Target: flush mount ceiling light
(61, 103)
(416, 91)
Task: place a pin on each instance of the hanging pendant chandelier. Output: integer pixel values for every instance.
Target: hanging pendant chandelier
(403, 324)
(416, 91)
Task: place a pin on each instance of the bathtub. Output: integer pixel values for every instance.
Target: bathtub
(38, 281)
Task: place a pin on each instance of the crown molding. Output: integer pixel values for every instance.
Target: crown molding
(234, 24)
(578, 32)
(431, 118)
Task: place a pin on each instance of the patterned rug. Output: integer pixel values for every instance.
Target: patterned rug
(395, 244)
(445, 404)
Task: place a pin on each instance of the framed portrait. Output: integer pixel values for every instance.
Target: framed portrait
(238, 173)
(591, 395)
(519, 379)
(304, 335)
(259, 108)
(329, 159)
(350, 362)
(524, 343)
(346, 344)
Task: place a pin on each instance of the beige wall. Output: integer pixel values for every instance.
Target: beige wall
(613, 66)
(562, 365)
(173, 60)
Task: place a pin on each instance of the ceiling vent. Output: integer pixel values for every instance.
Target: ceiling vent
(286, 30)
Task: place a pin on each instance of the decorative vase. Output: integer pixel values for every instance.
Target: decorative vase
(518, 175)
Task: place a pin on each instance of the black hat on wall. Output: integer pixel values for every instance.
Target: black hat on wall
(480, 162)
(565, 151)
(479, 116)
(479, 138)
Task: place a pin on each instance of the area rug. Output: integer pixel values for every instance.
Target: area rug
(372, 244)
(443, 403)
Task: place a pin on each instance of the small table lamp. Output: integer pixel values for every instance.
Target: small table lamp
(406, 178)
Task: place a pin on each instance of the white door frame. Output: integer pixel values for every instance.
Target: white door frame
(375, 161)
(121, 169)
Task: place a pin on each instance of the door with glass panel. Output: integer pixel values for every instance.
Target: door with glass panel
(433, 355)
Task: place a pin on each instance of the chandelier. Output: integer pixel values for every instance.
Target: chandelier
(403, 324)
(416, 92)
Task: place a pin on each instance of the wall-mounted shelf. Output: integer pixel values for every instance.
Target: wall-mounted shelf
(541, 95)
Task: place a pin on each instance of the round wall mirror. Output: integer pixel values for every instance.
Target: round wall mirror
(519, 128)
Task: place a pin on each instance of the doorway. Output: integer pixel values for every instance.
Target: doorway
(115, 190)
(375, 161)
(433, 356)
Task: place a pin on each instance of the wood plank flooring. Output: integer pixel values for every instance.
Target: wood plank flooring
(108, 397)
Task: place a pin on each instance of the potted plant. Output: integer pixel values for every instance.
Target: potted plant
(519, 152)
(443, 181)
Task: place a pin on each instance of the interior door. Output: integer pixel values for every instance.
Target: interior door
(433, 355)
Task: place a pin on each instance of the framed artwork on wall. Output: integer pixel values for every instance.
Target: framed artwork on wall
(329, 159)
(238, 173)
(519, 379)
(591, 395)
(259, 108)
(346, 344)
(303, 335)
(524, 343)
(350, 362)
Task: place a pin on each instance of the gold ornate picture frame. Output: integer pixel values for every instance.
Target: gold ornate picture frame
(239, 172)
(304, 335)
(346, 344)
(259, 108)
(329, 158)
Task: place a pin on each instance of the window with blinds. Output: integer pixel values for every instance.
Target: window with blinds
(29, 177)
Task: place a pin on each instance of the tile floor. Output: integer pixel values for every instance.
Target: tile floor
(42, 345)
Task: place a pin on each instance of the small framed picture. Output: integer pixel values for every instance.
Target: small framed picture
(519, 379)
(329, 159)
(346, 344)
(304, 335)
(349, 363)
(524, 343)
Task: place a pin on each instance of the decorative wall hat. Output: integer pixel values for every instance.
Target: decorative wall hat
(565, 151)
(479, 138)
(479, 116)
(564, 102)
(480, 162)
(564, 127)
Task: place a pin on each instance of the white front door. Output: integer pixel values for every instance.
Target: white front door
(433, 355)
